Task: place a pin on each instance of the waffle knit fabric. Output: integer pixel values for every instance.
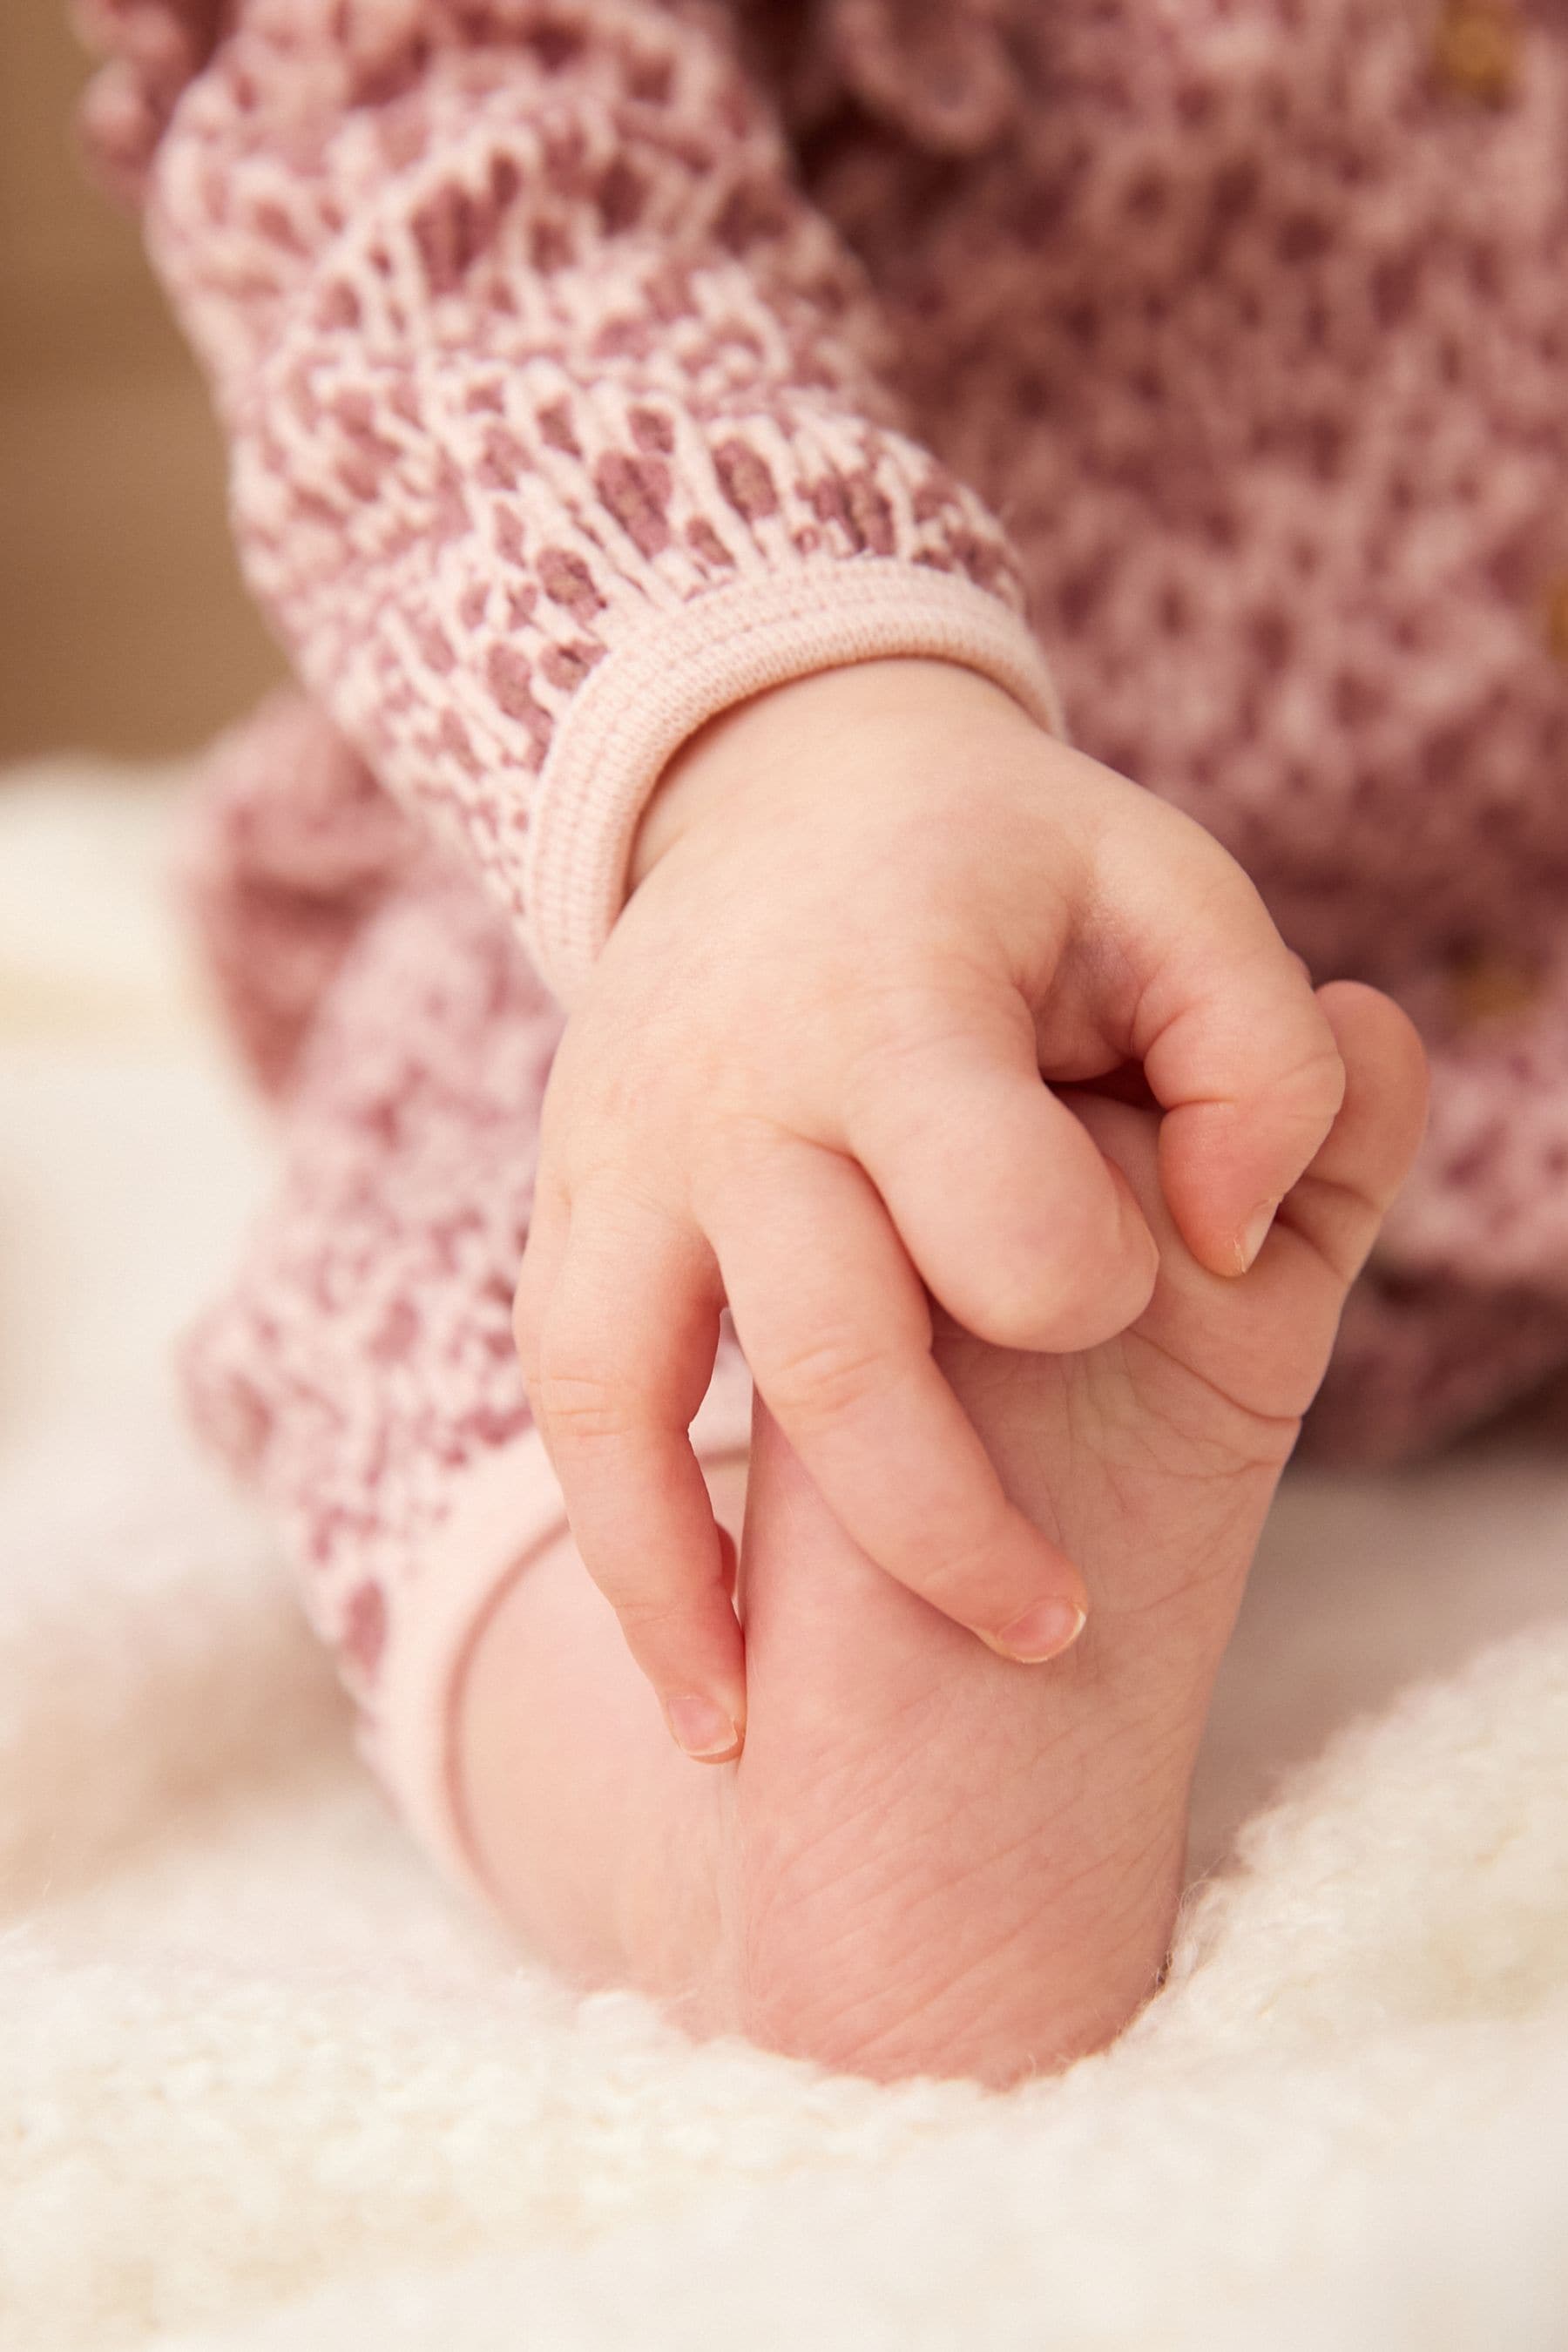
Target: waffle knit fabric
(588, 364)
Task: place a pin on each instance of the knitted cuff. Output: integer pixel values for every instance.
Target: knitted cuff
(653, 692)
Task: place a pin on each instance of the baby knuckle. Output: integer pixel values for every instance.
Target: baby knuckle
(731, 1146)
(904, 1029)
(649, 1618)
(954, 1557)
(828, 1375)
(1312, 1086)
(582, 1408)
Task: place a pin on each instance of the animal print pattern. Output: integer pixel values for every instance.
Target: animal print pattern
(587, 363)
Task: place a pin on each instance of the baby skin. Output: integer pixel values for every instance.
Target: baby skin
(1039, 1385)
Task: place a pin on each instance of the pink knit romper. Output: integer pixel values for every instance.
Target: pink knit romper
(590, 364)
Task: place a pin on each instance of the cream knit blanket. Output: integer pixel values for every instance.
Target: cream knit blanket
(263, 2083)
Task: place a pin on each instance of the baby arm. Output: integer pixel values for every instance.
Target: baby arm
(872, 911)
(554, 408)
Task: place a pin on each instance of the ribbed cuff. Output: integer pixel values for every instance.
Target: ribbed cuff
(507, 1511)
(647, 695)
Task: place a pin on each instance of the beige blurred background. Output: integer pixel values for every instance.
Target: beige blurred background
(123, 628)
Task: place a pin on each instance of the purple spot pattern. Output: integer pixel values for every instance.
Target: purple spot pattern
(362, 1360)
(1232, 349)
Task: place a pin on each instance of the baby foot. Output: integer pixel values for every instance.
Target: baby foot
(930, 1859)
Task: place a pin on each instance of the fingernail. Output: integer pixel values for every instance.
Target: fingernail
(1041, 1632)
(704, 1730)
(1254, 1233)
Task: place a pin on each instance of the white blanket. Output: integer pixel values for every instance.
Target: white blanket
(263, 2083)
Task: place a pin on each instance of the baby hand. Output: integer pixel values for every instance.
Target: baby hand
(872, 909)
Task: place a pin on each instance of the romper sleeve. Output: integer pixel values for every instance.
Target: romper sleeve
(558, 420)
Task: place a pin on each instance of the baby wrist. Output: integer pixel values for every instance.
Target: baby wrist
(659, 683)
(764, 738)
(701, 773)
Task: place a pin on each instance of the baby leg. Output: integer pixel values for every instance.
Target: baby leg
(288, 848)
(361, 1373)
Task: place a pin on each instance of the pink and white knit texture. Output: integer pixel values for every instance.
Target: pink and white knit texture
(360, 1374)
(589, 363)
